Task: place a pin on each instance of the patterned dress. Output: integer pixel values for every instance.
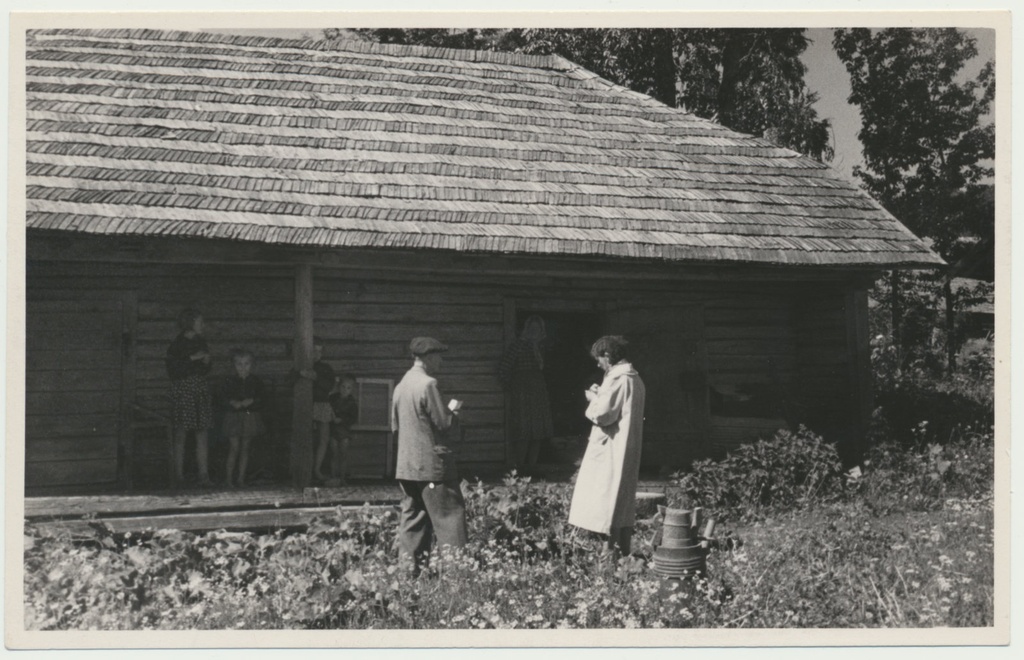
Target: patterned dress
(530, 413)
(192, 405)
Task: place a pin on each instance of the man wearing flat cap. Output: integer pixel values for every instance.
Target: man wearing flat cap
(432, 501)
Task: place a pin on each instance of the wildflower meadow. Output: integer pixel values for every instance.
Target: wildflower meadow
(907, 544)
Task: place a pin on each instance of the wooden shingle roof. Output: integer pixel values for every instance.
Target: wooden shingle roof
(366, 145)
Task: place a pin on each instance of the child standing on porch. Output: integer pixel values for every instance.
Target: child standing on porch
(243, 398)
(322, 375)
(188, 362)
(346, 413)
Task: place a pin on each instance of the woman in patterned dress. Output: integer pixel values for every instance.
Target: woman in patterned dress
(522, 374)
(188, 363)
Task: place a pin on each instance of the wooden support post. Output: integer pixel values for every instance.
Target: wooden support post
(301, 455)
(861, 390)
(126, 435)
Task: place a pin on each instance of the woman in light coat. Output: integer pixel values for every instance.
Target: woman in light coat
(604, 500)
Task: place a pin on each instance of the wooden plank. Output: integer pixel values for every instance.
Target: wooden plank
(739, 317)
(782, 333)
(418, 312)
(63, 308)
(860, 378)
(340, 331)
(72, 379)
(763, 347)
(762, 423)
(754, 364)
(694, 373)
(396, 347)
(185, 501)
(478, 400)
(68, 403)
(70, 448)
(824, 358)
(151, 352)
(49, 425)
(53, 358)
(226, 520)
(413, 291)
(66, 331)
(69, 473)
(446, 306)
(301, 456)
(368, 453)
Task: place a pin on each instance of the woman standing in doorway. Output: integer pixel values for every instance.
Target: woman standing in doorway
(188, 363)
(604, 499)
(522, 374)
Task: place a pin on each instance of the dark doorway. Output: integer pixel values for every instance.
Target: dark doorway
(568, 371)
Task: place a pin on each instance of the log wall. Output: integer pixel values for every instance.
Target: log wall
(831, 352)
(756, 333)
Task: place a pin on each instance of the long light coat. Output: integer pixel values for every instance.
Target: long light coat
(605, 495)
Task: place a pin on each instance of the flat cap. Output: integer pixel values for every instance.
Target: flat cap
(425, 345)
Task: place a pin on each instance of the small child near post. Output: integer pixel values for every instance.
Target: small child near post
(322, 375)
(346, 413)
(243, 398)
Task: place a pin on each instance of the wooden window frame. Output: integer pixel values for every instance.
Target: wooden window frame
(359, 426)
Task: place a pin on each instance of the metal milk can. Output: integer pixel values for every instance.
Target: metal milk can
(683, 551)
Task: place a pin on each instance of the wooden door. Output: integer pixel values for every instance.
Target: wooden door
(73, 393)
(668, 350)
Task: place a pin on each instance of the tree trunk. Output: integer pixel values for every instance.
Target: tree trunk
(664, 70)
(728, 91)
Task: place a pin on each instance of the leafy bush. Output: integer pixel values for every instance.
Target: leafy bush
(952, 407)
(925, 477)
(949, 414)
(785, 471)
(526, 519)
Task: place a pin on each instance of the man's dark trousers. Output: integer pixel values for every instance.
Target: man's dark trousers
(430, 508)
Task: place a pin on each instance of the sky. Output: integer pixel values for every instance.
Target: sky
(827, 76)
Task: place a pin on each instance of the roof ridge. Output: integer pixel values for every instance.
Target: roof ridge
(552, 62)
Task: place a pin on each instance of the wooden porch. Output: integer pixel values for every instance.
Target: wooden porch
(255, 509)
(201, 510)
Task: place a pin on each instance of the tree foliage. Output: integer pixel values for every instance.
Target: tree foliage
(750, 80)
(927, 150)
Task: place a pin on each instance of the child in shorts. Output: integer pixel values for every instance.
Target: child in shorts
(323, 377)
(243, 399)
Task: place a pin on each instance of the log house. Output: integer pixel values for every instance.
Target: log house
(370, 193)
